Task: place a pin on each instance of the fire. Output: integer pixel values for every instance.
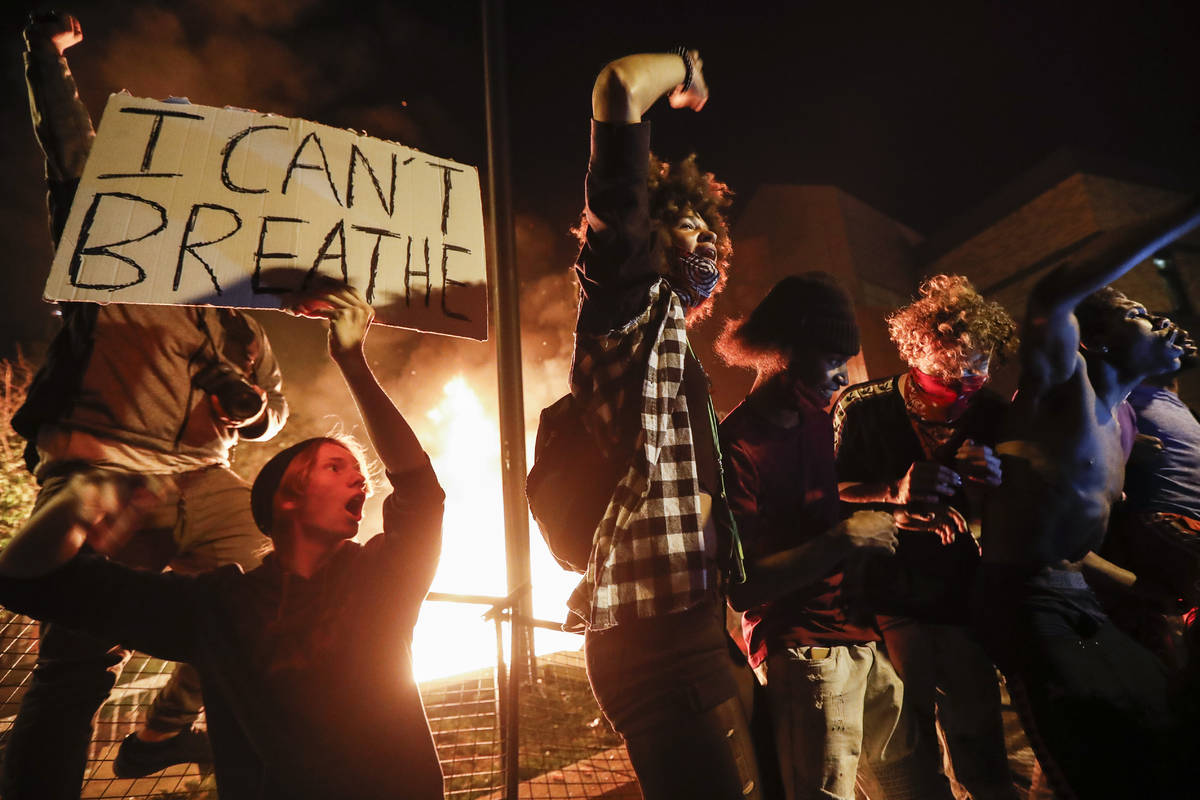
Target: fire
(463, 438)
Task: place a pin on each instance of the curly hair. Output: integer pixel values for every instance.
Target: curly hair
(675, 189)
(948, 324)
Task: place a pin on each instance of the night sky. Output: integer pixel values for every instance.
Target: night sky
(921, 110)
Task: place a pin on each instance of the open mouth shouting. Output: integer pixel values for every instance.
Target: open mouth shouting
(354, 506)
(707, 251)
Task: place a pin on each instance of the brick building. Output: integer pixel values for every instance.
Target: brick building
(1003, 245)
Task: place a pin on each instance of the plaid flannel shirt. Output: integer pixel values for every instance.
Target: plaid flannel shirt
(650, 555)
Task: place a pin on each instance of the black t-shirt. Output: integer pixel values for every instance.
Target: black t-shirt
(875, 442)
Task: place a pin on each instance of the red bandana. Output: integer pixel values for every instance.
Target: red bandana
(935, 400)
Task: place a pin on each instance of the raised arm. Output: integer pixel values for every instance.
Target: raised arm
(349, 318)
(616, 266)
(626, 88)
(60, 120)
(1050, 339)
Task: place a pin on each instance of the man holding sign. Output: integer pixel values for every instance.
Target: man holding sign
(156, 390)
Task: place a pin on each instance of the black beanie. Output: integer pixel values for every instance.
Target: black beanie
(806, 310)
(262, 493)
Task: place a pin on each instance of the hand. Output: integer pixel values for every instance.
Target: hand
(697, 94)
(1147, 450)
(945, 521)
(873, 529)
(978, 463)
(62, 30)
(926, 482)
(108, 506)
(348, 313)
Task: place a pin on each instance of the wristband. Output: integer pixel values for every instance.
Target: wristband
(688, 67)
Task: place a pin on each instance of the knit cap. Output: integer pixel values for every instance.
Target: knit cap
(262, 493)
(809, 309)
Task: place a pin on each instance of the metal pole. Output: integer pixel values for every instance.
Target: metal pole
(504, 299)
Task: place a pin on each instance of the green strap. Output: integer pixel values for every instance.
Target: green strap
(738, 566)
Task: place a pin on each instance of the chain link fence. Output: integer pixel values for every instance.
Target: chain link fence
(567, 749)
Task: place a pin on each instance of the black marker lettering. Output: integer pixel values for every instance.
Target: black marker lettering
(447, 282)
(323, 254)
(255, 279)
(389, 203)
(323, 166)
(187, 247)
(227, 154)
(446, 170)
(152, 141)
(379, 233)
(409, 272)
(82, 249)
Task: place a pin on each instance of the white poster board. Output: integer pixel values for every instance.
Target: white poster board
(191, 205)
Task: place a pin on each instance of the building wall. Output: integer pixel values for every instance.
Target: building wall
(1006, 259)
(789, 229)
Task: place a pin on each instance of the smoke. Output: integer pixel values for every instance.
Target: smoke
(415, 368)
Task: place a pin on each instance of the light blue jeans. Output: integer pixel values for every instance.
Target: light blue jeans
(831, 707)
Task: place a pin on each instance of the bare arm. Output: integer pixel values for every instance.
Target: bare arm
(96, 508)
(773, 576)
(1050, 339)
(626, 88)
(1099, 571)
(349, 318)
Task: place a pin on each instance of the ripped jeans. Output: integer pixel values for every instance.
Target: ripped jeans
(831, 707)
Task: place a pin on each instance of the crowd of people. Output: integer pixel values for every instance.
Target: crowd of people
(806, 599)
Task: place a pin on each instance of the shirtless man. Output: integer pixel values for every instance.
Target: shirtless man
(1093, 702)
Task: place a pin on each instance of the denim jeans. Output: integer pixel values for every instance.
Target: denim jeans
(833, 706)
(203, 523)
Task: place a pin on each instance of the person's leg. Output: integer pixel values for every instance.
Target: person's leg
(903, 764)
(912, 656)
(968, 708)
(47, 751)
(698, 753)
(669, 693)
(1094, 709)
(816, 700)
(215, 528)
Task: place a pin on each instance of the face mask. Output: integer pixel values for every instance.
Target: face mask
(940, 400)
(700, 277)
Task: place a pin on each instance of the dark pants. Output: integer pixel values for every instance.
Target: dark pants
(948, 679)
(203, 523)
(667, 687)
(1092, 701)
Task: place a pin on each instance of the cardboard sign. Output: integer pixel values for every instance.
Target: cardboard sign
(190, 205)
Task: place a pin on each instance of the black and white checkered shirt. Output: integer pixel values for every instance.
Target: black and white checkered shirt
(650, 554)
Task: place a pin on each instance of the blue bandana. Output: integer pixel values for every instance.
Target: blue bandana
(700, 277)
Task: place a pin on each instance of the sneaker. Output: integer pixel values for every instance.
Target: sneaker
(137, 759)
